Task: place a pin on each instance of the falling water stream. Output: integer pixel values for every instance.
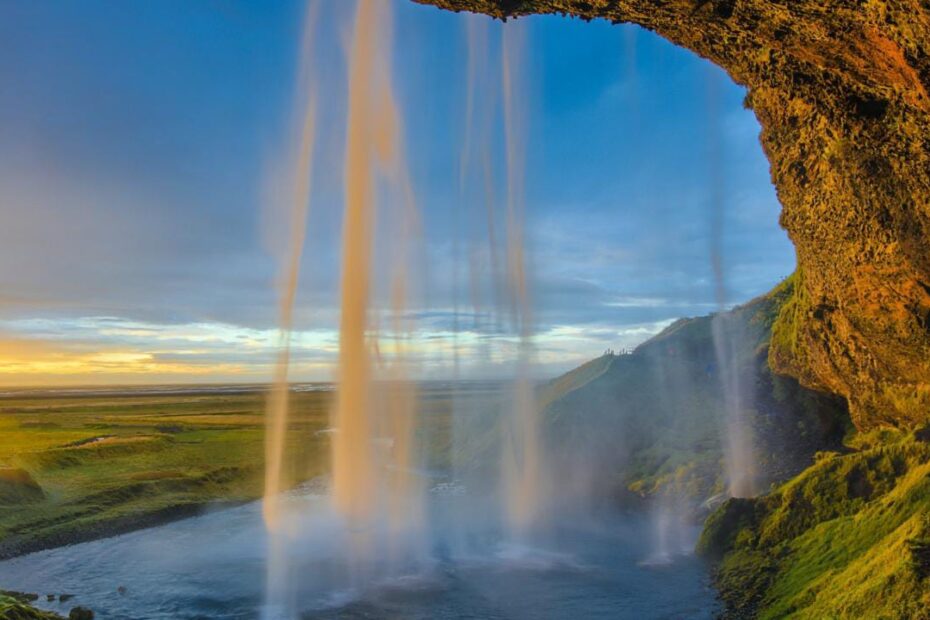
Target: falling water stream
(373, 453)
(727, 332)
(385, 521)
(728, 336)
(278, 398)
(378, 490)
(353, 470)
(377, 497)
(523, 468)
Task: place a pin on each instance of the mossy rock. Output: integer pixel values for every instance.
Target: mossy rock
(15, 609)
(847, 538)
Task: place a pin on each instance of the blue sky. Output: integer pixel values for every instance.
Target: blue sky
(139, 156)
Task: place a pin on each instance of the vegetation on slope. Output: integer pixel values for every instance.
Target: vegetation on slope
(15, 606)
(573, 380)
(845, 529)
(73, 469)
(846, 538)
(652, 421)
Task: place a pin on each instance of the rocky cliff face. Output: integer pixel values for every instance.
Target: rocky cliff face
(841, 91)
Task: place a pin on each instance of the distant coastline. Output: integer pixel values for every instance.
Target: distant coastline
(210, 389)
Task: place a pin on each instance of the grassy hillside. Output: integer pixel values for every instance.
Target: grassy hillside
(653, 420)
(573, 380)
(841, 528)
(848, 538)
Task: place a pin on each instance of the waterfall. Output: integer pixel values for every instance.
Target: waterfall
(522, 457)
(727, 334)
(738, 451)
(377, 500)
(373, 452)
(277, 408)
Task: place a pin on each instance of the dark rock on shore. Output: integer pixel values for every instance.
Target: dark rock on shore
(23, 597)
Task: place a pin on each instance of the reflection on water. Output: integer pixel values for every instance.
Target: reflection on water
(214, 567)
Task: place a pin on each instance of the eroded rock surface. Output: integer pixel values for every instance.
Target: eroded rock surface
(841, 91)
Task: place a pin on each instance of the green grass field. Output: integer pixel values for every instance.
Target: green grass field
(80, 467)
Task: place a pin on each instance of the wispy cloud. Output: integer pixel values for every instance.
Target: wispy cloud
(134, 246)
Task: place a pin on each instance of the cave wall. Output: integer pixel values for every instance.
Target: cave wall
(840, 88)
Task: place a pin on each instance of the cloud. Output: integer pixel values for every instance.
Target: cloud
(134, 187)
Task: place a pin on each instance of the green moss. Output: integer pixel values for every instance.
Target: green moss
(843, 539)
(748, 575)
(14, 609)
(727, 527)
(913, 402)
(792, 307)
